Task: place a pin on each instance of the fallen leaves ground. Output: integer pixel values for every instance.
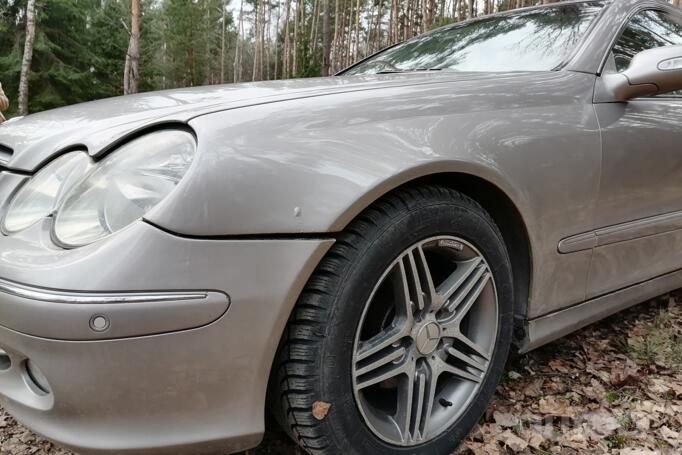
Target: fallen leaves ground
(615, 387)
(612, 388)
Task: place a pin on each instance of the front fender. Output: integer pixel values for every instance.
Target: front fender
(309, 166)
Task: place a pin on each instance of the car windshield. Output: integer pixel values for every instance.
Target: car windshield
(534, 40)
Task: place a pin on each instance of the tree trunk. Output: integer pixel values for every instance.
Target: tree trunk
(207, 60)
(261, 41)
(296, 33)
(314, 24)
(237, 50)
(429, 13)
(257, 45)
(261, 54)
(131, 76)
(334, 53)
(316, 31)
(268, 40)
(406, 19)
(378, 35)
(357, 31)
(28, 56)
(337, 45)
(279, 16)
(346, 31)
(287, 42)
(395, 22)
(368, 35)
(326, 39)
(222, 42)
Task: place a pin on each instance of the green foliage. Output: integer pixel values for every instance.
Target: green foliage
(81, 45)
(108, 42)
(661, 342)
(181, 43)
(11, 43)
(612, 397)
(616, 441)
(76, 56)
(183, 38)
(63, 61)
(625, 421)
(310, 62)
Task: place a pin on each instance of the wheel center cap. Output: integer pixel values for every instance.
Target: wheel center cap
(427, 338)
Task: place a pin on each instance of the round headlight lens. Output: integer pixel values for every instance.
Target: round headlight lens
(41, 195)
(124, 186)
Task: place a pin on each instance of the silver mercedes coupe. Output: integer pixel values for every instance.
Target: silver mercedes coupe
(357, 254)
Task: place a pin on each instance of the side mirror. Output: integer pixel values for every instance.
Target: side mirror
(651, 72)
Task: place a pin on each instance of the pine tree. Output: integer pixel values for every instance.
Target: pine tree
(108, 43)
(62, 65)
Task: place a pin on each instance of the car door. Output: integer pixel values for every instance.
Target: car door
(640, 201)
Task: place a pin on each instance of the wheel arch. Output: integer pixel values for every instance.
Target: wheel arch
(430, 186)
(506, 214)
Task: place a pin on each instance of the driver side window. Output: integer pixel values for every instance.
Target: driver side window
(646, 30)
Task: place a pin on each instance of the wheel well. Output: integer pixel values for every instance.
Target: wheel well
(508, 219)
(511, 224)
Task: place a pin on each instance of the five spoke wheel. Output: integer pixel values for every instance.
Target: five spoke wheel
(425, 340)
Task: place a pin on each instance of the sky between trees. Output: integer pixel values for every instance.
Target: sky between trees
(82, 49)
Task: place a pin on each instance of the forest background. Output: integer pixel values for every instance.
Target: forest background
(59, 52)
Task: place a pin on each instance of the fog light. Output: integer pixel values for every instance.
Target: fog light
(35, 379)
(5, 361)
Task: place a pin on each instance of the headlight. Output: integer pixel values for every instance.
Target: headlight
(124, 186)
(41, 195)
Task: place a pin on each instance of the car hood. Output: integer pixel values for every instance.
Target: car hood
(26, 143)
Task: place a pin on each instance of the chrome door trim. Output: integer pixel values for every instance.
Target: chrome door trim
(580, 242)
(631, 230)
(645, 227)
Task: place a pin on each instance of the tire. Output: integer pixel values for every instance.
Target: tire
(319, 365)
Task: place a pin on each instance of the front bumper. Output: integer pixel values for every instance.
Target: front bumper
(174, 375)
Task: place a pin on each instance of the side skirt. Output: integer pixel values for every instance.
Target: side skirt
(555, 325)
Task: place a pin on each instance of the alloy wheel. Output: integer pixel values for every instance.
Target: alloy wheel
(425, 340)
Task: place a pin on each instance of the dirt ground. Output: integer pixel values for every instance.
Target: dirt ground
(612, 388)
